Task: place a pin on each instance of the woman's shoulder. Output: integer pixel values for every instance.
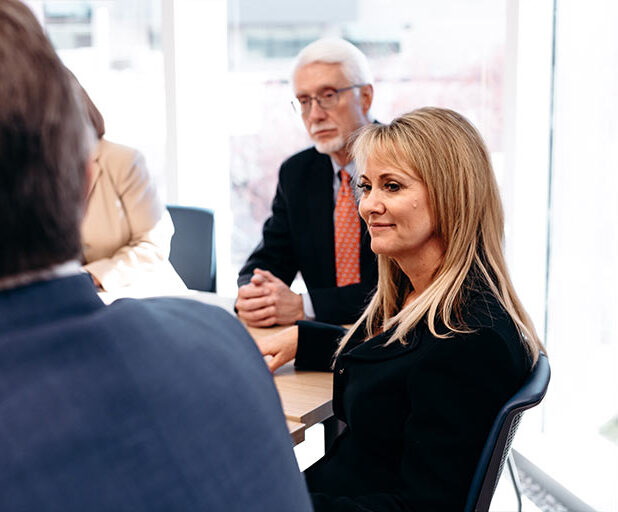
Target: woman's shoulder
(480, 309)
(488, 327)
(111, 154)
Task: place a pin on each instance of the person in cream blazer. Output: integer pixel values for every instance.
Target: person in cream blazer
(126, 232)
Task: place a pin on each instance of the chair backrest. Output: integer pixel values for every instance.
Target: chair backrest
(498, 444)
(192, 252)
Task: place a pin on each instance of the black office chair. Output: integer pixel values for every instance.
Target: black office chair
(498, 445)
(193, 247)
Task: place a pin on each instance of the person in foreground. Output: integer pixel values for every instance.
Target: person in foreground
(420, 377)
(314, 227)
(161, 404)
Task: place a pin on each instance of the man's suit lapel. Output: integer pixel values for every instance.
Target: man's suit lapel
(319, 201)
(320, 207)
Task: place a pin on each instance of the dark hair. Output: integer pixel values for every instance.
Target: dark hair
(44, 147)
(96, 118)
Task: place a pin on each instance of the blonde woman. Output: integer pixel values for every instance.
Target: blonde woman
(443, 343)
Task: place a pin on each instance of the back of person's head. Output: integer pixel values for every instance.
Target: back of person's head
(444, 150)
(44, 148)
(332, 50)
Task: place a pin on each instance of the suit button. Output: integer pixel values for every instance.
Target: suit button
(341, 371)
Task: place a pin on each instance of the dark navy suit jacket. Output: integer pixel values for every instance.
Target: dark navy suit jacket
(143, 405)
(300, 236)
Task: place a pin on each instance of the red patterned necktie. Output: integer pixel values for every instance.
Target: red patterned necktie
(347, 234)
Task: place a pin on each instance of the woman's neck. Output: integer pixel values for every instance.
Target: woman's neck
(420, 269)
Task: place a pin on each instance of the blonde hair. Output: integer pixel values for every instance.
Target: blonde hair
(448, 154)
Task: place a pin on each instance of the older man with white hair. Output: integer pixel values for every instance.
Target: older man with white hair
(314, 227)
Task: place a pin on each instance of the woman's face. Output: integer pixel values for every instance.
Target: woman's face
(395, 206)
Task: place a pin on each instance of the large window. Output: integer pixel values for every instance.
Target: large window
(563, 243)
(114, 49)
(581, 414)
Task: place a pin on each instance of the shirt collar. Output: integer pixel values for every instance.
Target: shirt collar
(350, 168)
(61, 270)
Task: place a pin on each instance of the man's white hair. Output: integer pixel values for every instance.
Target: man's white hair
(334, 50)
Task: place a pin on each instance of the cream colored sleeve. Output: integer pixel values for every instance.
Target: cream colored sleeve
(150, 227)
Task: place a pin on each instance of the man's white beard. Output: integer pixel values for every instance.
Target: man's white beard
(330, 146)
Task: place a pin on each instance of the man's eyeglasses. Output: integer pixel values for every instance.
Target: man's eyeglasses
(326, 99)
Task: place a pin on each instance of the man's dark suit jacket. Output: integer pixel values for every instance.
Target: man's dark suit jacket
(151, 405)
(417, 415)
(300, 235)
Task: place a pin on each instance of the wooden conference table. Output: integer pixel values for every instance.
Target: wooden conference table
(306, 397)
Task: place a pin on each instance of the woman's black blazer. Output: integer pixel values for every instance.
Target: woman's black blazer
(417, 415)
